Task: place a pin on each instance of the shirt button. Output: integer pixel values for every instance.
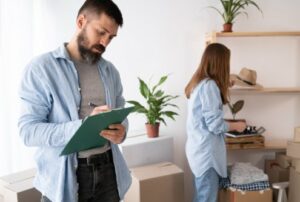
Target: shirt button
(79, 89)
(78, 108)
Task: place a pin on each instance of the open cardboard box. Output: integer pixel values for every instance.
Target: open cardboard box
(229, 195)
(162, 182)
(18, 187)
(294, 194)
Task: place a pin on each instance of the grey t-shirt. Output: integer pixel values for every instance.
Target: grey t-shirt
(92, 90)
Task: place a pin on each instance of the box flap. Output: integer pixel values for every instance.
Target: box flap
(21, 186)
(293, 149)
(155, 170)
(296, 164)
(17, 177)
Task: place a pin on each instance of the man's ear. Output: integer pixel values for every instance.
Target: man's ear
(81, 21)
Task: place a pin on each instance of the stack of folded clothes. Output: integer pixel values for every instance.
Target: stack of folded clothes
(245, 177)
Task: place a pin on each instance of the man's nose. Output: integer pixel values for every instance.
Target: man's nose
(104, 41)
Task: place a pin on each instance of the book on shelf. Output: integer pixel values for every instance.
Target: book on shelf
(250, 131)
(236, 135)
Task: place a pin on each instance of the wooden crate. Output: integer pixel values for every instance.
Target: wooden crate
(250, 142)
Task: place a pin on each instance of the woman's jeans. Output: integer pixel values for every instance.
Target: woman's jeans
(97, 180)
(207, 186)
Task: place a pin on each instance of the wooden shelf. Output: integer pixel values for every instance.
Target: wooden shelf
(212, 36)
(273, 145)
(266, 148)
(266, 90)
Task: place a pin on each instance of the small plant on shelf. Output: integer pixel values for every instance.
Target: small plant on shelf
(232, 9)
(236, 107)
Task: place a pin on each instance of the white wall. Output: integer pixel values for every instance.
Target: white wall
(161, 37)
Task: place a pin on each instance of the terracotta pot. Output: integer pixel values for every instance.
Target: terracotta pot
(152, 130)
(227, 27)
(235, 120)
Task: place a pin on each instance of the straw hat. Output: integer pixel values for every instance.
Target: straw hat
(246, 78)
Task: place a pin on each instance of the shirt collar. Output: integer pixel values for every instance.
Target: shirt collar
(61, 52)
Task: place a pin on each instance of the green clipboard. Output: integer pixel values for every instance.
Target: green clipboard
(87, 136)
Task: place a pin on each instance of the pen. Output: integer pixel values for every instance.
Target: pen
(92, 104)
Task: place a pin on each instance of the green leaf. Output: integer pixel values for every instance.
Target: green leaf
(138, 107)
(161, 81)
(169, 114)
(162, 120)
(172, 105)
(238, 106)
(135, 103)
(144, 89)
(159, 93)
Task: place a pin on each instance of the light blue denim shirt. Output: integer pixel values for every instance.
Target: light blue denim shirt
(205, 146)
(50, 100)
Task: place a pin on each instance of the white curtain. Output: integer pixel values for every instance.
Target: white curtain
(16, 45)
(27, 28)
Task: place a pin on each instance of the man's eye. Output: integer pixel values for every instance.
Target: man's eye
(101, 33)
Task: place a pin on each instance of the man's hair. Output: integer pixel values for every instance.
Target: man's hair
(102, 6)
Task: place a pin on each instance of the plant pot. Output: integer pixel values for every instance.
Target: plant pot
(235, 120)
(152, 130)
(227, 27)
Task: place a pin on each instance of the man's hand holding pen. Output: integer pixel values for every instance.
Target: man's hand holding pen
(98, 109)
(116, 132)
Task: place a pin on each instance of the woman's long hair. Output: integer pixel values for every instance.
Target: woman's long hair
(214, 65)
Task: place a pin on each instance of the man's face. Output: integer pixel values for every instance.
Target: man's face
(94, 37)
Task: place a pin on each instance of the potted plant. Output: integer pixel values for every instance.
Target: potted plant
(155, 109)
(233, 8)
(235, 108)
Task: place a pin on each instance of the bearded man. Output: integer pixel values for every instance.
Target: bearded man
(58, 90)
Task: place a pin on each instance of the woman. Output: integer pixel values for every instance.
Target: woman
(207, 92)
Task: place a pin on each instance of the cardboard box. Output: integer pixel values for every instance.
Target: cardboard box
(296, 164)
(275, 172)
(245, 196)
(141, 150)
(161, 182)
(17, 177)
(278, 174)
(268, 164)
(18, 187)
(294, 194)
(22, 192)
(293, 149)
(297, 134)
(283, 160)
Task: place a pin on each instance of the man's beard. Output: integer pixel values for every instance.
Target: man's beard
(87, 54)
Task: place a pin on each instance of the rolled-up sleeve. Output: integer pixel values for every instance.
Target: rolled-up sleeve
(212, 108)
(36, 104)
